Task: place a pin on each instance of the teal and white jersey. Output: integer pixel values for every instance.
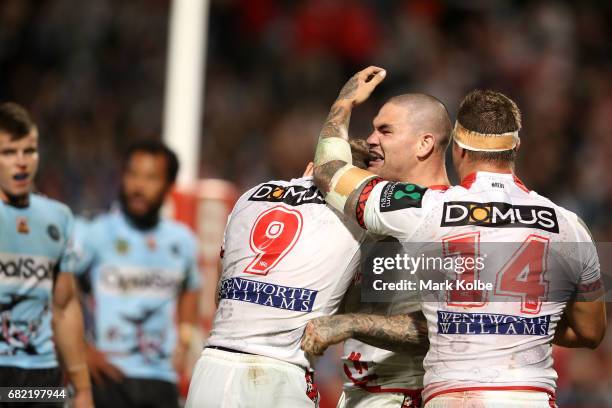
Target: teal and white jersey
(136, 278)
(35, 245)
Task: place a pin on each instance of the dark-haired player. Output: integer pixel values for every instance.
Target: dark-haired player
(482, 352)
(143, 277)
(37, 294)
(276, 275)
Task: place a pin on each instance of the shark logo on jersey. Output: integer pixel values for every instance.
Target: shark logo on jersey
(499, 215)
(148, 342)
(18, 334)
(397, 196)
(292, 195)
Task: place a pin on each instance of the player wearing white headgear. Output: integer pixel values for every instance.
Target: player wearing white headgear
(491, 347)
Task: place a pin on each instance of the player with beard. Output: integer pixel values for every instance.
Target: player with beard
(39, 308)
(489, 346)
(409, 140)
(141, 272)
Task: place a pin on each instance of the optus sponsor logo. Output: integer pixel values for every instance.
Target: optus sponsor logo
(126, 279)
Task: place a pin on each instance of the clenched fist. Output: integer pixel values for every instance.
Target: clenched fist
(322, 332)
(361, 85)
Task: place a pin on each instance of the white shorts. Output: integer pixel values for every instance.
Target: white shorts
(492, 399)
(223, 379)
(356, 398)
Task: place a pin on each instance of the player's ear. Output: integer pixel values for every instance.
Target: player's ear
(425, 146)
(309, 170)
(518, 145)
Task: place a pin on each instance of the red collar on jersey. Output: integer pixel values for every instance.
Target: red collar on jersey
(439, 187)
(470, 178)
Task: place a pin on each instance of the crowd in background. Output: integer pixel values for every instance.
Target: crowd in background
(92, 73)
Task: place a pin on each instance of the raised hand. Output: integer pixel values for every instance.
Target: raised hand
(360, 86)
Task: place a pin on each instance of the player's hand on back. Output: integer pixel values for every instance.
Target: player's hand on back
(322, 332)
(360, 86)
(100, 368)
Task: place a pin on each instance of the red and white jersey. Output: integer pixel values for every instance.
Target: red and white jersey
(287, 258)
(373, 369)
(498, 337)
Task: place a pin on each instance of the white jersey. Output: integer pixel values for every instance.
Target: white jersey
(496, 337)
(377, 370)
(280, 270)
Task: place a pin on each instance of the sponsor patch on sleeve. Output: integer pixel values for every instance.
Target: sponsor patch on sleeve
(397, 196)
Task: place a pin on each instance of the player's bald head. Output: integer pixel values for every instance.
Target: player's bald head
(426, 114)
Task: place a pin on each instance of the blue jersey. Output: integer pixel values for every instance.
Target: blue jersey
(136, 278)
(35, 245)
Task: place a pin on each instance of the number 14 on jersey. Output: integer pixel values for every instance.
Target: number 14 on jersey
(521, 277)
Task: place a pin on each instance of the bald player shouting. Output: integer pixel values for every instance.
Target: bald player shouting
(408, 143)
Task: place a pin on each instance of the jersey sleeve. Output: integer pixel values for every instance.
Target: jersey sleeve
(589, 280)
(83, 247)
(67, 259)
(391, 208)
(193, 277)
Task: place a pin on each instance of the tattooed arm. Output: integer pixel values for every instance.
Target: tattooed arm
(404, 332)
(339, 181)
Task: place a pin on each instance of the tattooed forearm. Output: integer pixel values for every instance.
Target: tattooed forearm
(322, 332)
(336, 125)
(350, 88)
(406, 332)
(323, 174)
(335, 328)
(403, 332)
(333, 157)
(337, 122)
